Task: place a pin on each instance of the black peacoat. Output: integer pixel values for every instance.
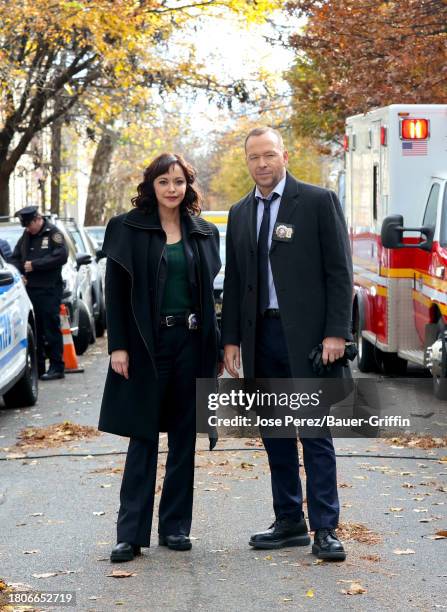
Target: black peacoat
(135, 247)
(312, 273)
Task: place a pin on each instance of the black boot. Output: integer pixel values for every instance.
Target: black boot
(283, 532)
(175, 542)
(327, 546)
(124, 552)
(52, 374)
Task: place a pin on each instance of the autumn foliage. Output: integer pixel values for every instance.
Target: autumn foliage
(357, 54)
(107, 54)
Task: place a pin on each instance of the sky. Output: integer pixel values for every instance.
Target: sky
(234, 50)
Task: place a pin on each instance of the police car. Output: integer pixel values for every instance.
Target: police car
(18, 363)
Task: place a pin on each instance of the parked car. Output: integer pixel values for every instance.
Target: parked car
(84, 244)
(18, 361)
(220, 220)
(97, 233)
(76, 276)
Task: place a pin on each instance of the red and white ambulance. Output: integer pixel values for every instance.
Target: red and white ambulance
(396, 209)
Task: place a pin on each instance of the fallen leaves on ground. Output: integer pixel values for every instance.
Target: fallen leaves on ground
(54, 435)
(439, 535)
(373, 558)
(121, 574)
(358, 532)
(107, 470)
(406, 551)
(415, 441)
(355, 589)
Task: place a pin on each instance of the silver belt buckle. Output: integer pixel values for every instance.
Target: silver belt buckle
(192, 321)
(170, 321)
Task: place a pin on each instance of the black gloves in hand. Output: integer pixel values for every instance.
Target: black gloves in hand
(316, 356)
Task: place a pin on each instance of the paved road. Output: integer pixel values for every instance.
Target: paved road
(64, 508)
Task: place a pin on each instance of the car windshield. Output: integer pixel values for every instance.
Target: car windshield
(97, 233)
(11, 234)
(78, 240)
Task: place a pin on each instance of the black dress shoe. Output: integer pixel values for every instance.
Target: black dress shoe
(283, 532)
(327, 546)
(52, 375)
(175, 542)
(123, 551)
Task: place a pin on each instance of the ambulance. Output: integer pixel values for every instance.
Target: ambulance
(396, 211)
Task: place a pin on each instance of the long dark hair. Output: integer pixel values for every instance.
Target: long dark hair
(146, 200)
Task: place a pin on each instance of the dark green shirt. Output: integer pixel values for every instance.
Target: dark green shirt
(177, 293)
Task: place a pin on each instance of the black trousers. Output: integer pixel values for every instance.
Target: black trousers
(46, 302)
(178, 364)
(272, 361)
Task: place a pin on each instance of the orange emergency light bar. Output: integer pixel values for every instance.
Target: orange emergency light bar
(414, 129)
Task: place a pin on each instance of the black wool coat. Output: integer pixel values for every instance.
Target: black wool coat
(312, 273)
(136, 268)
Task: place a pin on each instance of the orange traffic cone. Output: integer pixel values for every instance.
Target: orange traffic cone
(70, 359)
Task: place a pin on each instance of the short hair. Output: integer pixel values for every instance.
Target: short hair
(264, 130)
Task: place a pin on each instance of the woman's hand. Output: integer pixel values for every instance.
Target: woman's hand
(119, 360)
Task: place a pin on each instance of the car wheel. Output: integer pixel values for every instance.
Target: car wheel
(92, 338)
(366, 358)
(82, 339)
(25, 391)
(100, 322)
(393, 365)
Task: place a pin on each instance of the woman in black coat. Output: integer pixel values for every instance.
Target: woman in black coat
(162, 258)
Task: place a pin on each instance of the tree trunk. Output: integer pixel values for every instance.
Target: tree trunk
(56, 162)
(4, 194)
(97, 188)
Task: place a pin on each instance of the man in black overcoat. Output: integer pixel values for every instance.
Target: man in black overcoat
(288, 287)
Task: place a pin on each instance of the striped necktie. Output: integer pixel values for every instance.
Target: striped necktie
(263, 255)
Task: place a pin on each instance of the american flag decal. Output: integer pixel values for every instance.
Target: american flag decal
(414, 147)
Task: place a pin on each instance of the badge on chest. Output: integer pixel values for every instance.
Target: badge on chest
(283, 232)
(44, 244)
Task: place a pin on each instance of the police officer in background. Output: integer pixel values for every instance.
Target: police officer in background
(39, 255)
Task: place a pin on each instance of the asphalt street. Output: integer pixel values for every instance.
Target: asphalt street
(58, 518)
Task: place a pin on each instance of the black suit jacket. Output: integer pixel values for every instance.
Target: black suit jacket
(312, 274)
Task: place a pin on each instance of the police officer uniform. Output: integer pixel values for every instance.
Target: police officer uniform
(47, 252)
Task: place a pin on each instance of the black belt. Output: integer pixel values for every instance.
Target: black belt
(191, 320)
(271, 313)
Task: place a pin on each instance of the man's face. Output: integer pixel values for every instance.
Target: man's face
(35, 226)
(266, 161)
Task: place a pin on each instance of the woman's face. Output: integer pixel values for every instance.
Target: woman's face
(170, 188)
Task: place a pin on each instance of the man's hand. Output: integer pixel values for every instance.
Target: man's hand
(119, 360)
(232, 359)
(333, 348)
(28, 266)
(24, 279)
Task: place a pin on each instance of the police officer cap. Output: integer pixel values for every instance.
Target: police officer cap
(27, 214)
